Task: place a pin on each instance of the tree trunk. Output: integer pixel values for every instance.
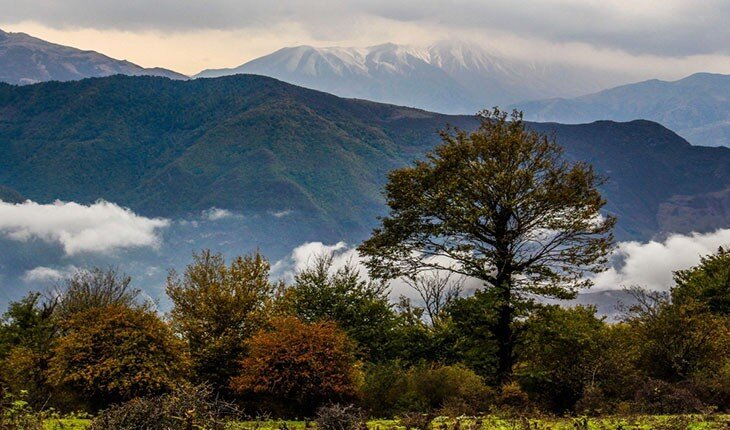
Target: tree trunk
(503, 332)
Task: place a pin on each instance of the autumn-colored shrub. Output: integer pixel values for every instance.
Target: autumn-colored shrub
(512, 399)
(116, 353)
(298, 367)
(216, 307)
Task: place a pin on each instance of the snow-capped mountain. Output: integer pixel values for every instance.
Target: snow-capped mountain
(447, 76)
(26, 60)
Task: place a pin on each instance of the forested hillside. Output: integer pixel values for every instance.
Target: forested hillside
(257, 145)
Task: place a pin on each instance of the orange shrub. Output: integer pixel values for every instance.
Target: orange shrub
(116, 353)
(299, 366)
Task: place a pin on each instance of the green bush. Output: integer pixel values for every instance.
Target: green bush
(384, 389)
(390, 390)
(16, 414)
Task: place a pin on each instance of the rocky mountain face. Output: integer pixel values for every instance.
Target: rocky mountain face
(26, 60)
(696, 107)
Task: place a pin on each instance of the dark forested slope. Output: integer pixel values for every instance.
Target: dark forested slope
(257, 145)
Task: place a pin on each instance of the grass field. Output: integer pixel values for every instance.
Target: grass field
(658, 422)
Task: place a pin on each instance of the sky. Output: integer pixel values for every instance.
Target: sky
(664, 39)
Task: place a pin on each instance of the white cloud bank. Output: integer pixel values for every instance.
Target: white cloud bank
(100, 227)
(304, 255)
(342, 254)
(649, 264)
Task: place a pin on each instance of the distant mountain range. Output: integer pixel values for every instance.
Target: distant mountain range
(258, 146)
(446, 77)
(26, 60)
(696, 107)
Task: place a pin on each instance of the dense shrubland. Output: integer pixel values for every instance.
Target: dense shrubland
(670, 353)
(331, 344)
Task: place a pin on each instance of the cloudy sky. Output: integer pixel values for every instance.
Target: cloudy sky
(666, 39)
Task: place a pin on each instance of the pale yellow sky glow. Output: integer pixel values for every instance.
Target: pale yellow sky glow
(646, 39)
(190, 52)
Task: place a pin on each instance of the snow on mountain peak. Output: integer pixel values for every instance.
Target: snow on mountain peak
(447, 76)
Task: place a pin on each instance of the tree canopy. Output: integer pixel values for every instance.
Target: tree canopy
(499, 204)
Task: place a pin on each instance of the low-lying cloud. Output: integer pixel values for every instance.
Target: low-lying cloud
(343, 255)
(99, 227)
(305, 254)
(651, 264)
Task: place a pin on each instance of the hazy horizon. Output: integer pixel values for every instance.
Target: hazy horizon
(666, 40)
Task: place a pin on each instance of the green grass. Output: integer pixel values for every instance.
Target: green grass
(656, 422)
(67, 424)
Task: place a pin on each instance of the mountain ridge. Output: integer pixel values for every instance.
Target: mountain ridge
(257, 146)
(25, 59)
(697, 107)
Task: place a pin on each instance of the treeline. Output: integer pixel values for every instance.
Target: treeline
(499, 206)
(330, 337)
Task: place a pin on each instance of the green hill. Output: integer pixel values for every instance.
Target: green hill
(256, 145)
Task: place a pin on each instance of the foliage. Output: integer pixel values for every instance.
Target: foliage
(660, 397)
(671, 354)
(389, 390)
(436, 387)
(468, 334)
(413, 340)
(340, 417)
(27, 323)
(96, 288)
(684, 340)
(16, 414)
(361, 308)
(559, 349)
(115, 353)
(27, 334)
(299, 366)
(707, 283)
(216, 308)
(499, 205)
(184, 408)
(384, 388)
(512, 399)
